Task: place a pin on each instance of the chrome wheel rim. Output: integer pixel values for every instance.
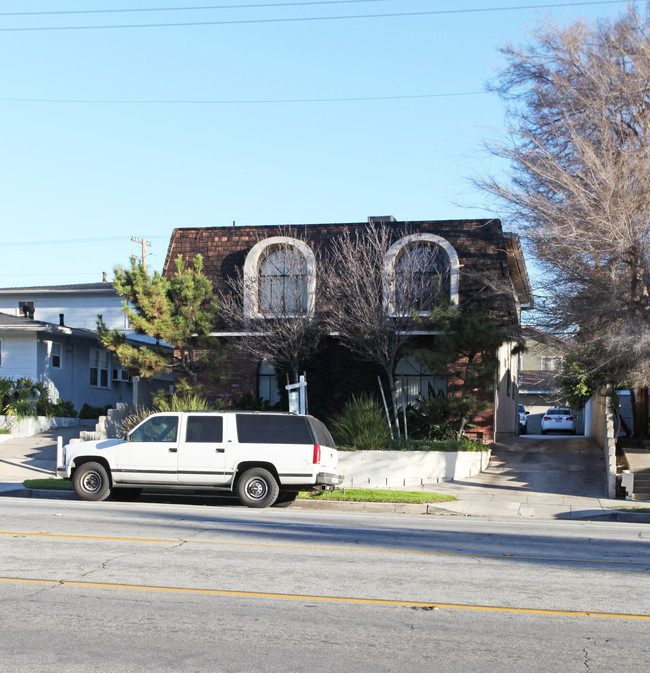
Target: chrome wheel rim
(91, 482)
(256, 489)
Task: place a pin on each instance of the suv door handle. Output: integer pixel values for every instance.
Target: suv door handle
(220, 450)
(173, 449)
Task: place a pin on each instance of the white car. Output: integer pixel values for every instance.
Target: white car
(559, 419)
(523, 421)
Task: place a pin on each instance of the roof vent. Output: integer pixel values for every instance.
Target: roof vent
(380, 219)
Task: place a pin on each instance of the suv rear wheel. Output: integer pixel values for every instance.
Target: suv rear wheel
(257, 487)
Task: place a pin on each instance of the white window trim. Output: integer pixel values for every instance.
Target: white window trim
(391, 259)
(251, 274)
(100, 369)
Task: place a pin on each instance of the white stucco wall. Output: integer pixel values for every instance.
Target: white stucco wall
(394, 469)
(19, 355)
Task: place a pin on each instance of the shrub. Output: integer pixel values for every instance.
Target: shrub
(21, 408)
(138, 415)
(64, 409)
(164, 401)
(90, 412)
(432, 418)
(362, 424)
(250, 402)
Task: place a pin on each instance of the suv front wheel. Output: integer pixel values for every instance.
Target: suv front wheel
(257, 487)
(91, 482)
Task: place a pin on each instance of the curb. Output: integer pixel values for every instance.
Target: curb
(17, 490)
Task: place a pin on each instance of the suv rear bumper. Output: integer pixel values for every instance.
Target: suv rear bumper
(329, 479)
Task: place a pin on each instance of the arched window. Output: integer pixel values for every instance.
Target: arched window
(414, 381)
(267, 383)
(279, 279)
(420, 273)
(283, 282)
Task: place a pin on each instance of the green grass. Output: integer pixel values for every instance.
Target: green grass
(349, 494)
(51, 484)
(5, 431)
(375, 495)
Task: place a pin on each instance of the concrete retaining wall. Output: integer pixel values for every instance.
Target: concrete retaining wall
(393, 469)
(32, 426)
(599, 424)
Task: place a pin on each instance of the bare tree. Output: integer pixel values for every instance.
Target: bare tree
(373, 310)
(272, 310)
(578, 104)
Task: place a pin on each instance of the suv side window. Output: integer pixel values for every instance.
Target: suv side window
(204, 429)
(156, 429)
(272, 429)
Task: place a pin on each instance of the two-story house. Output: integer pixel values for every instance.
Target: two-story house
(474, 254)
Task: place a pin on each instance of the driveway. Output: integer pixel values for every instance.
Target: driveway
(557, 464)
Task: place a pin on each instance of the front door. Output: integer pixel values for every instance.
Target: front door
(151, 453)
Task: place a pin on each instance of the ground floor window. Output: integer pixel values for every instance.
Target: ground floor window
(267, 383)
(99, 368)
(414, 381)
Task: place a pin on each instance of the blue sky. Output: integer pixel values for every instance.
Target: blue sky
(113, 133)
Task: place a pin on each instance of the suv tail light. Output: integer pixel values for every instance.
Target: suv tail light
(316, 454)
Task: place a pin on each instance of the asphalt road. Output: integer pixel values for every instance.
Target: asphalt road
(150, 586)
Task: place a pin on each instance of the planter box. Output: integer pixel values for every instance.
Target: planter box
(394, 469)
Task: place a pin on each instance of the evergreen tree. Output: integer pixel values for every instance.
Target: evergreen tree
(178, 312)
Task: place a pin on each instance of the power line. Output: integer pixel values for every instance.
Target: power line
(186, 9)
(239, 101)
(231, 22)
(31, 244)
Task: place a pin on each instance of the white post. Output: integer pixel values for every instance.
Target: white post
(59, 453)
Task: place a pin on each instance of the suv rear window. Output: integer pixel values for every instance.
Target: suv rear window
(273, 429)
(323, 436)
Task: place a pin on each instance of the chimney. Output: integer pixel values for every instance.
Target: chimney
(61, 321)
(104, 277)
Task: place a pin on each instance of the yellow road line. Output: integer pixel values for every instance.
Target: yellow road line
(323, 599)
(514, 557)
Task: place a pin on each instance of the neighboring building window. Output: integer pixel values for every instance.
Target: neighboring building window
(550, 363)
(420, 273)
(279, 279)
(267, 383)
(56, 355)
(99, 367)
(415, 381)
(26, 309)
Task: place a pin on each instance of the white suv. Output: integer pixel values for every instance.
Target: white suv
(265, 458)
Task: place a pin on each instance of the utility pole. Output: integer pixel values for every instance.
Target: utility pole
(143, 241)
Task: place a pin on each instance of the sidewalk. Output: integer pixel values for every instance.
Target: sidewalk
(512, 486)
